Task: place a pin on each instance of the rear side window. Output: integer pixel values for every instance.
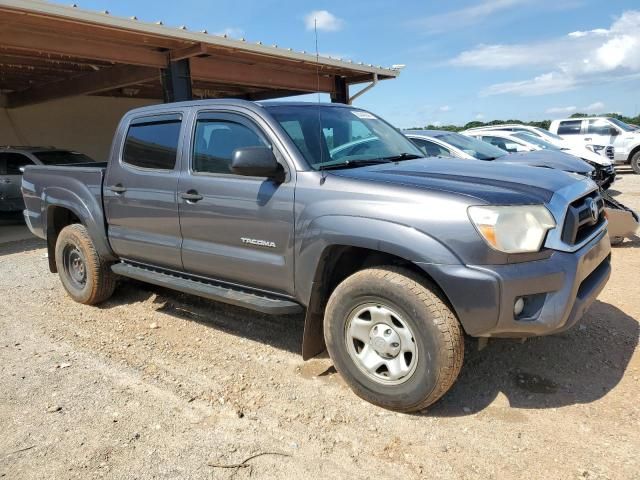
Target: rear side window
(10, 163)
(504, 144)
(153, 142)
(599, 127)
(570, 127)
(431, 149)
(217, 139)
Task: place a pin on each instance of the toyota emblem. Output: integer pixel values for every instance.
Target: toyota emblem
(593, 207)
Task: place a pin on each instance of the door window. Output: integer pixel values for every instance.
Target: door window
(216, 139)
(152, 142)
(599, 127)
(570, 127)
(10, 163)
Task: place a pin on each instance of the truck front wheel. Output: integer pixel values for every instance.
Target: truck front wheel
(635, 162)
(85, 276)
(395, 342)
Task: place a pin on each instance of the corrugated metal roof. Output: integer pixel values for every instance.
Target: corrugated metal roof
(158, 29)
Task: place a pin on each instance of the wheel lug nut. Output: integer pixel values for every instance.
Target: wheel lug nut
(387, 332)
(395, 344)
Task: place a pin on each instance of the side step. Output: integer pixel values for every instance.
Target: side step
(213, 291)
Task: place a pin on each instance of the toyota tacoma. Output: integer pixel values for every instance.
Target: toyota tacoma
(284, 208)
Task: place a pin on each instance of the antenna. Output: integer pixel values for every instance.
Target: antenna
(315, 31)
(320, 133)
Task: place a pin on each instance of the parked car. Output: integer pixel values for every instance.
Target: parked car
(521, 141)
(393, 256)
(602, 130)
(14, 159)
(456, 145)
(623, 222)
(584, 151)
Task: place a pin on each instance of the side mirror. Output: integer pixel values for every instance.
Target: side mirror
(614, 131)
(255, 162)
(21, 169)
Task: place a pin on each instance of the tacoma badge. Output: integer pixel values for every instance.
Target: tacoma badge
(259, 243)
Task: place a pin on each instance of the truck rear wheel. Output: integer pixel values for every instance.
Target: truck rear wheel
(395, 342)
(85, 276)
(635, 162)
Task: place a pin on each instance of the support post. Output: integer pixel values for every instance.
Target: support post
(176, 81)
(340, 92)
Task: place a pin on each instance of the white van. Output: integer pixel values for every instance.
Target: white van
(603, 131)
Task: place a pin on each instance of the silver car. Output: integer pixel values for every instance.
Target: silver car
(14, 159)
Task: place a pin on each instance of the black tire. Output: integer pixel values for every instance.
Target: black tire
(85, 276)
(635, 162)
(436, 333)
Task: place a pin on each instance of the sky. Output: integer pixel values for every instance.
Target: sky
(464, 60)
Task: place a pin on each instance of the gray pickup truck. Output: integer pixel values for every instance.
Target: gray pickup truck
(286, 207)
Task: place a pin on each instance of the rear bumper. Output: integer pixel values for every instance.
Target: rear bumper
(557, 291)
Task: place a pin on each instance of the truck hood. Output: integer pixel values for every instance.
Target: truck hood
(549, 159)
(495, 183)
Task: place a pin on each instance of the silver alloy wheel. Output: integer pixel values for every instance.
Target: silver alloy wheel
(381, 343)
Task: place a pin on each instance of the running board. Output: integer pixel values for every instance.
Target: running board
(210, 290)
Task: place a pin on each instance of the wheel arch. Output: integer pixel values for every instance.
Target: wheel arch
(633, 152)
(61, 208)
(336, 261)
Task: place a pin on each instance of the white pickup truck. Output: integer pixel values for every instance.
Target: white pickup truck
(602, 130)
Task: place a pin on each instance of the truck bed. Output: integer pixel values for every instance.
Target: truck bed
(47, 187)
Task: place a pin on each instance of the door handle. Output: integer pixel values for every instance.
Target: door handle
(6, 180)
(191, 196)
(117, 188)
(588, 139)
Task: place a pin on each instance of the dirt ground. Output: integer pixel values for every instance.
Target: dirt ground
(156, 384)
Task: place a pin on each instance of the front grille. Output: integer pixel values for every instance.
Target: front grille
(579, 222)
(609, 151)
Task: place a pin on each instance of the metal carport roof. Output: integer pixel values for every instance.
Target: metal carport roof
(50, 51)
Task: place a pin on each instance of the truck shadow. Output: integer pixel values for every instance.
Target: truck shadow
(283, 332)
(579, 366)
(19, 246)
(633, 242)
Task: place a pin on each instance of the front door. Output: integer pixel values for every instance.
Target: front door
(140, 192)
(235, 228)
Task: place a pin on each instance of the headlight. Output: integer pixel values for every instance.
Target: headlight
(596, 148)
(513, 229)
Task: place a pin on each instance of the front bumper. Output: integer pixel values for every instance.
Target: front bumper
(604, 176)
(560, 289)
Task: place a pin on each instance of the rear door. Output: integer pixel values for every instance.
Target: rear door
(572, 132)
(235, 228)
(11, 179)
(140, 191)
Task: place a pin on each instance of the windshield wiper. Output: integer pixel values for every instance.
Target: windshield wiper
(402, 156)
(353, 163)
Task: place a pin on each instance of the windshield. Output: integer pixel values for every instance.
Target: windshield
(62, 157)
(527, 137)
(471, 146)
(348, 135)
(622, 125)
(547, 133)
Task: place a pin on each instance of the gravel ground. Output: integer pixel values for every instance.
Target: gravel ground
(156, 384)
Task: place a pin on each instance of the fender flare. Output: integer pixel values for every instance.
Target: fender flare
(89, 213)
(381, 236)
